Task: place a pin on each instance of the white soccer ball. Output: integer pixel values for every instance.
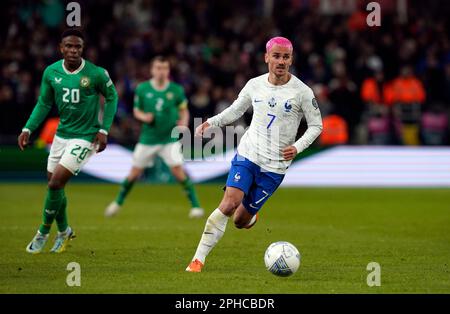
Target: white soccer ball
(282, 259)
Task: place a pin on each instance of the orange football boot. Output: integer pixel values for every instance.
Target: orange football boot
(195, 266)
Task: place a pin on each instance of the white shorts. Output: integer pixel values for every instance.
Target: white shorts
(144, 155)
(72, 154)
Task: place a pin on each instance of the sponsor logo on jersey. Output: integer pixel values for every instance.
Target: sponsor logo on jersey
(85, 81)
(272, 102)
(288, 106)
(237, 177)
(58, 80)
(257, 100)
(149, 95)
(169, 95)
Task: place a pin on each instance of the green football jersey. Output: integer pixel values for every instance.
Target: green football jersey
(165, 105)
(77, 97)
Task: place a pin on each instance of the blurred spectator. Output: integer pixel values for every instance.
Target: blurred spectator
(335, 131)
(321, 92)
(434, 125)
(357, 20)
(408, 96)
(201, 102)
(376, 91)
(344, 96)
(376, 95)
(407, 88)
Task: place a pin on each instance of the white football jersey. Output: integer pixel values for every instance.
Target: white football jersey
(277, 112)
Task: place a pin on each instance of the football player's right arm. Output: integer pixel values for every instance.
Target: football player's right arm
(146, 117)
(139, 114)
(234, 112)
(40, 111)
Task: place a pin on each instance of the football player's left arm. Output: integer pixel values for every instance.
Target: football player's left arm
(107, 89)
(313, 118)
(183, 114)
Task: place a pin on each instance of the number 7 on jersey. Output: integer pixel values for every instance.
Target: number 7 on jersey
(272, 118)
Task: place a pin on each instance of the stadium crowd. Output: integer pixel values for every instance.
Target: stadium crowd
(375, 85)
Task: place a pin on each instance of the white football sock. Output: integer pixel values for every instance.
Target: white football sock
(65, 231)
(214, 230)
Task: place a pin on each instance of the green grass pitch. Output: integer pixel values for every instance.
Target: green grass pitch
(146, 248)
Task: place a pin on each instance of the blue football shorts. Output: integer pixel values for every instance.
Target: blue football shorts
(257, 184)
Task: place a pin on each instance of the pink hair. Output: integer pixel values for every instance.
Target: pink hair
(280, 41)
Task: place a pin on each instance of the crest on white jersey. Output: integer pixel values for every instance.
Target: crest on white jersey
(288, 106)
(272, 102)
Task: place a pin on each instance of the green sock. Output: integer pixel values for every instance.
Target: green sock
(125, 188)
(61, 216)
(189, 189)
(53, 203)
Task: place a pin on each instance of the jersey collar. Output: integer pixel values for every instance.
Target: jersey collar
(278, 86)
(77, 70)
(159, 89)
